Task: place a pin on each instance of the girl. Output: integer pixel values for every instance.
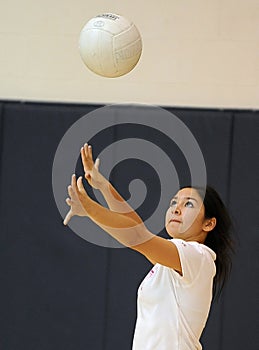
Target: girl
(175, 297)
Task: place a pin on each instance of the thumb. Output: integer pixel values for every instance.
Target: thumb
(97, 163)
(68, 217)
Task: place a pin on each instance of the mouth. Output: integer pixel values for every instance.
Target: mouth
(175, 220)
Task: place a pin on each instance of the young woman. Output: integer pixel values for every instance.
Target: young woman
(175, 297)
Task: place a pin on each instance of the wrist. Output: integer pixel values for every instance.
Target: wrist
(104, 184)
(88, 206)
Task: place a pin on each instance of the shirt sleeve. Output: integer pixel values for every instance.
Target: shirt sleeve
(193, 256)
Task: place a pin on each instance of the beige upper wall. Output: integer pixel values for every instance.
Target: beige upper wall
(197, 53)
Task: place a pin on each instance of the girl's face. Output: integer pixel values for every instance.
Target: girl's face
(185, 216)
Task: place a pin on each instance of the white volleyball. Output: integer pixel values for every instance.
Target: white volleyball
(110, 45)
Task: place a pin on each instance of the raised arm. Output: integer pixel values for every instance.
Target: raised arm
(123, 228)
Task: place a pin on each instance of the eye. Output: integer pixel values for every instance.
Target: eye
(189, 204)
(172, 203)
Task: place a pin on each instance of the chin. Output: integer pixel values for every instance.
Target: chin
(171, 234)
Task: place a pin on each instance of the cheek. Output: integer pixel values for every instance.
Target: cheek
(192, 218)
(167, 216)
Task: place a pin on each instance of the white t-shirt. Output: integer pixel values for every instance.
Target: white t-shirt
(172, 309)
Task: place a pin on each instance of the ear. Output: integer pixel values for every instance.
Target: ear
(209, 224)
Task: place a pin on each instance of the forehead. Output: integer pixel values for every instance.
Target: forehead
(188, 192)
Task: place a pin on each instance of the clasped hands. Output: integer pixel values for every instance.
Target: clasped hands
(78, 200)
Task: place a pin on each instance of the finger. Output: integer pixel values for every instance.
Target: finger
(73, 182)
(80, 185)
(72, 194)
(90, 152)
(97, 163)
(69, 201)
(70, 191)
(68, 217)
(84, 159)
(86, 149)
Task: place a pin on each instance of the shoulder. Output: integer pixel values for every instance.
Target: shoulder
(195, 257)
(193, 248)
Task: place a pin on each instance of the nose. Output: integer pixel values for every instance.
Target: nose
(176, 210)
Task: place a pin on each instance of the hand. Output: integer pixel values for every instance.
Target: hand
(91, 168)
(76, 207)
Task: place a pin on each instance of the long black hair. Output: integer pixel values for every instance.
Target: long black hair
(220, 239)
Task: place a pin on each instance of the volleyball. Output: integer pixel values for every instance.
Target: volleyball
(110, 45)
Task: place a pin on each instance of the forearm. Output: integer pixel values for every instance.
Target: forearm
(116, 202)
(120, 226)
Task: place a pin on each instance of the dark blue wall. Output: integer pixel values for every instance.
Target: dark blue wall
(60, 292)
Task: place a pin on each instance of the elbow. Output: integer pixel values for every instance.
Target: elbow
(141, 236)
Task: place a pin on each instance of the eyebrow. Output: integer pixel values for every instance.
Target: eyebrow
(185, 198)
